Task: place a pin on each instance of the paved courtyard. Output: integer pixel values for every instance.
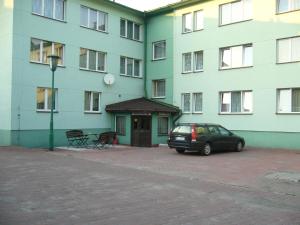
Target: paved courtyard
(149, 186)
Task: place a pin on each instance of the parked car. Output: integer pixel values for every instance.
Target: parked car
(204, 138)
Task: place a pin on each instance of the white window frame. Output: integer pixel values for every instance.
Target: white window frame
(52, 52)
(155, 88)
(244, 17)
(133, 30)
(243, 65)
(184, 60)
(91, 102)
(193, 62)
(194, 102)
(289, 104)
(54, 10)
(193, 21)
(97, 56)
(184, 23)
(46, 89)
(133, 67)
(291, 6)
(291, 59)
(153, 50)
(243, 111)
(97, 26)
(182, 102)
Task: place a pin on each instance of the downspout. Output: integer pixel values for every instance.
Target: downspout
(177, 117)
(145, 56)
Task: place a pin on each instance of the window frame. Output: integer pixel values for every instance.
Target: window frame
(289, 10)
(46, 89)
(194, 103)
(97, 25)
(291, 101)
(193, 62)
(91, 111)
(96, 63)
(133, 67)
(242, 111)
(133, 30)
(182, 102)
(155, 89)
(53, 10)
(153, 50)
(122, 133)
(159, 133)
(291, 50)
(184, 60)
(193, 21)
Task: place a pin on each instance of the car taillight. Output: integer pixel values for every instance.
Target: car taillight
(194, 134)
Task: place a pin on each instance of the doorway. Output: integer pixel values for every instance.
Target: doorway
(141, 131)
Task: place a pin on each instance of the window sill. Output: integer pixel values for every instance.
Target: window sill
(189, 32)
(91, 112)
(198, 113)
(45, 17)
(242, 21)
(234, 114)
(191, 72)
(96, 71)
(45, 111)
(139, 41)
(46, 64)
(186, 112)
(160, 97)
(287, 113)
(101, 31)
(159, 59)
(285, 12)
(187, 72)
(124, 75)
(290, 62)
(234, 68)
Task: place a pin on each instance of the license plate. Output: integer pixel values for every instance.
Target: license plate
(180, 138)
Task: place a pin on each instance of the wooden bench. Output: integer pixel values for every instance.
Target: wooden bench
(77, 138)
(104, 139)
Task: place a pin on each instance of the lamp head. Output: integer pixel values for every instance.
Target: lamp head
(53, 62)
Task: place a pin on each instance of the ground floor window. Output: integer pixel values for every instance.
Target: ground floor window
(44, 99)
(288, 100)
(197, 103)
(163, 125)
(121, 125)
(92, 101)
(236, 102)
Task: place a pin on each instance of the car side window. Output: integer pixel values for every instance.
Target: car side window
(223, 131)
(213, 130)
(201, 130)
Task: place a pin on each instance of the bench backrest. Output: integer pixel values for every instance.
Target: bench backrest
(74, 133)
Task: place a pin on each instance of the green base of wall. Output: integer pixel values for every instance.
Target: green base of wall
(5, 137)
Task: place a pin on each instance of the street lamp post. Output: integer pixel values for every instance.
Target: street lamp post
(53, 65)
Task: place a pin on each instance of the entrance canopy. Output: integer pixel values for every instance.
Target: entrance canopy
(142, 105)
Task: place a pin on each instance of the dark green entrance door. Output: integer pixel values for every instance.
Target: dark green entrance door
(141, 131)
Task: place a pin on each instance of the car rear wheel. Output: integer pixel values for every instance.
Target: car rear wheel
(180, 150)
(206, 150)
(239, 147)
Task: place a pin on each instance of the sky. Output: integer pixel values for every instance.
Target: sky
(144, 5)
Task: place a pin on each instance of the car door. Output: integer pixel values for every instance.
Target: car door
(226, 138)
(214, 137)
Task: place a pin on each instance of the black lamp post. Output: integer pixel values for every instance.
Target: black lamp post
(53, 65)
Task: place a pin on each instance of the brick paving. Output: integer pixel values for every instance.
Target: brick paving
(142, 186)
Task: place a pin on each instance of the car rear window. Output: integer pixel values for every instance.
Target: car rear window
(182, 129)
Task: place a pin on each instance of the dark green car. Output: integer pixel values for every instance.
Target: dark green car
(204, 138)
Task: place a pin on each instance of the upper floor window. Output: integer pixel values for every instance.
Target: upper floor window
(287, 5)
(92, 60)
(92, 101)
(93, 19)
(159, 50)
(236, 102)
(288, 100)
(40, 50)
(288, 50)
(159, 88)
(54, 9)
(236, 56)
(235, 12)
(44, 99)
(190, 65)
(197, 102)
(130, 30)
(130, 67)
(192, 21)
(186, 102)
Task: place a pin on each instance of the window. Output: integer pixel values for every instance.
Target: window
(92, 101)
(198, 59)
(235, 12)
(186, 102)
(163, 125)
(192, 21)
(236, 56)
(92, 60)
(54, 9)
(287, 5)
(236, 102)
(159, 88)
(159, 50)
(187, 62)
(130, 30)
(93, 19)
(288, 50)
(130, 67)
(44, 99)
(197, 103)
(121, 125)
(189, 65)
(288, 100)
(40, 50)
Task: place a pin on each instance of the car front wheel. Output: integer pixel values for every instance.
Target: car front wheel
(239, 146)
(206, 150)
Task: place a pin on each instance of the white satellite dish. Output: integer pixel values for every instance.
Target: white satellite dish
(109, 79)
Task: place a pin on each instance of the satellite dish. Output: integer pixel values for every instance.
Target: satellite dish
(109, 79)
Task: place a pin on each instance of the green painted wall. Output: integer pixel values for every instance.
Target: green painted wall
(124, 139)
(6, 33)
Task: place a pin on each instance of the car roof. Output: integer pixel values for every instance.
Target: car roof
(200, 124)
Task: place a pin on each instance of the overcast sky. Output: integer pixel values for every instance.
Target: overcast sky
(145, 5)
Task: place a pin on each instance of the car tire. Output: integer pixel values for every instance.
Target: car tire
(239, 146)
(180, 150)
(206, 151)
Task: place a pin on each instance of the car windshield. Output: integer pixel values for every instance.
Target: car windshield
(182, 129)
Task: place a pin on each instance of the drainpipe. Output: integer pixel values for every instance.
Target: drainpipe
(145, 56)
(177, 117)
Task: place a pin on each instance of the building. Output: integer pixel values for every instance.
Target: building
(230, 62)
